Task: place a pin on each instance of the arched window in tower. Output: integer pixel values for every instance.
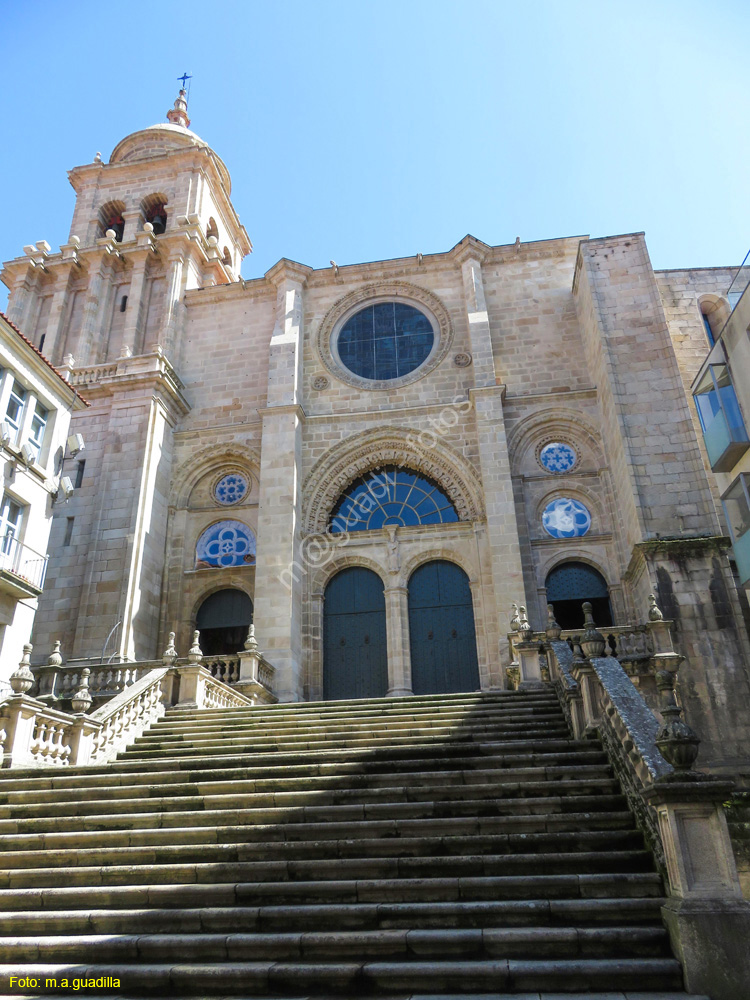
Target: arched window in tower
(572, 583)
(154, 209)
(111, 216)
(714, 313)
(212, 229)
(227, 258)
(391, 495)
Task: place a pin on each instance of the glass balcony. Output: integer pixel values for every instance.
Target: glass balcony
(721, 419)
(736, 502)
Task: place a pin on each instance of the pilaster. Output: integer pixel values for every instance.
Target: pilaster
(280, 573)
(502, 527)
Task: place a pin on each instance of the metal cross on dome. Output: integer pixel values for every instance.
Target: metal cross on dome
(184, 78)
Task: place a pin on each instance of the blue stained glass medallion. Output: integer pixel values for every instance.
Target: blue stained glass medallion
(557, 457)
(566, 518)
(231, 489)
(226, 543)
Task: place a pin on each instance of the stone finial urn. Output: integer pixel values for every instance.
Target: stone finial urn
(196, 653)
(251, 643)
(170, 653)
(677, 741)
(515, 621)
(553, 630)
(22, 679)
(524, 627)
(55, 657)
(81, 700)
(654, 613)
(593, 642)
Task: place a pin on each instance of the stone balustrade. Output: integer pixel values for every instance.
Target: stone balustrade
(33, 734)
(248, 671)
(127, 716)
(224, 668)
(679, 810)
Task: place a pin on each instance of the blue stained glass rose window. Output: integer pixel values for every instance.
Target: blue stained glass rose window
(226, 543)
(391, 495)
(385, 340)
(566, 518)
(557, 457)
(231, 489)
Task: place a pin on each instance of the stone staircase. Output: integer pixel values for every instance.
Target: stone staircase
(417, 847)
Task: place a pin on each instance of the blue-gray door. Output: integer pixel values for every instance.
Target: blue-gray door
(441, 630)
(355, 661)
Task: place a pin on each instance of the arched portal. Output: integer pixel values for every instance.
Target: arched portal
(572, 583)
(223, 620)
(441, 630)
(355, 659)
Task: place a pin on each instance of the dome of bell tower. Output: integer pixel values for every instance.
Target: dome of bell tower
(164, 138)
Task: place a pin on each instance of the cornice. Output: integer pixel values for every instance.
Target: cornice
(288, 270)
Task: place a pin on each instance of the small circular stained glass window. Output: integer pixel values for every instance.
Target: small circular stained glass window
(226, 543)
(566, 518)
(231, 489)
(557, 457)
(385, 340)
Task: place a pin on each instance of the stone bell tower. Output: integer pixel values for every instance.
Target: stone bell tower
(151, 223)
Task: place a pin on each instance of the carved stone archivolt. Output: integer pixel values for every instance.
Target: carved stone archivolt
(553, 424)
(370, 450)
(383, 291)
(214, 458)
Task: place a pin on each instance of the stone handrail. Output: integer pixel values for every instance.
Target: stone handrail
(225, 668)
(248, 671)
(105, 681)
(194, 686)
(127, 716)
(599, 697)
(34, 735)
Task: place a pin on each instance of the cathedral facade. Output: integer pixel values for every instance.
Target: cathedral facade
(373, 462)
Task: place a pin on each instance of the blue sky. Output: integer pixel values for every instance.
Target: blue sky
(374, 128)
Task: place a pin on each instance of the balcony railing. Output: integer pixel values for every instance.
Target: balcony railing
(21, 566)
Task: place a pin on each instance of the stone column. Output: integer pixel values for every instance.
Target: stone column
(280, 568)
(397, 631)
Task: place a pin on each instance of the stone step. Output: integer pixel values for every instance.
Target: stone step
(252, 977)
(499, 751)
(579, 841)
(260, 869)
(158, 739)
(320, 812)
(327, 946)
(410, 703)
(288, 745)
(486, 721)
(273, 767)
(503, 780)
(330, 917)
(469, 825)
(252, 719)
(397, 890)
